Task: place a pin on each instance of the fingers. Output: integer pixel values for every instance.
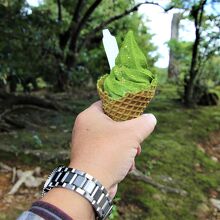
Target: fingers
(138, 150)
(97, 105)
(113, 191)
(141, 126)
(132, 167)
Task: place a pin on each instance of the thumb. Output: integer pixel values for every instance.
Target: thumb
(142, 126)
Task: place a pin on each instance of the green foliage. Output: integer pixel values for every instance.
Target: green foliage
(31, 40)
(182, 50)
(192, 58)
(26, 41)
(183, 55)
(89, 57)
(115, 213)
(212, 71)
(161, 74)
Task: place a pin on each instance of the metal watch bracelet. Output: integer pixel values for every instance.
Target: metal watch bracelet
(84, 184)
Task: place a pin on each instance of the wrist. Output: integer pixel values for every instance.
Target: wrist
(70, 203)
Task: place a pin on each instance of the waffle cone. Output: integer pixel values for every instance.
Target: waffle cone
(128, 107)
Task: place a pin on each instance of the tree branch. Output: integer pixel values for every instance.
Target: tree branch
(77, 10)
(70, 59)
(126, 12)
(59, 11)
(64, 37)
(117, 17)
(87, 15)
(202, 11)
(81, 23)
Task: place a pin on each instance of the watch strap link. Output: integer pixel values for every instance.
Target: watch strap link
(84, 184)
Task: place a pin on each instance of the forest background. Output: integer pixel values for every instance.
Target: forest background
(51, 56)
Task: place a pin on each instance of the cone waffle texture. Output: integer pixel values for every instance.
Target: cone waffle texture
(128, 107)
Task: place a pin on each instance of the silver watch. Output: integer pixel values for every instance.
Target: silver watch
(84, 184)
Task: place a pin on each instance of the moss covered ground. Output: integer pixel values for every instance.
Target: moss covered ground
(170, 156)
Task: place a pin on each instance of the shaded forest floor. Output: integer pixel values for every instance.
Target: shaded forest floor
(183, 152)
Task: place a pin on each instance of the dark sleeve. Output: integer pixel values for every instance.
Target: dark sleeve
(43, 210)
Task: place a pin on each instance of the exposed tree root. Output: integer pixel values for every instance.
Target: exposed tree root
(12, 99)
(5, 167)
(41, 154)
(12, 103)
(19, 107)
(138, 175)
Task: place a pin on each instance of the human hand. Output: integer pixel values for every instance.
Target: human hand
(106, 149)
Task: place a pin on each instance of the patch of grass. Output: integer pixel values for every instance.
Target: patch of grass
(173, 150)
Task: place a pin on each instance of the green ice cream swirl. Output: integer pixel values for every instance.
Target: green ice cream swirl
(130, 73)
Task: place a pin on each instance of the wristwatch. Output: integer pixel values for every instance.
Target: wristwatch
(84, 184)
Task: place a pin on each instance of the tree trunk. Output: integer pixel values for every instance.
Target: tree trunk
(3, 86)
(190, 98)
(188, 92)
(173, 70)
(62, 80)
(13, 81)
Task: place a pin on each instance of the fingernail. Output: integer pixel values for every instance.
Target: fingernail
(151, 118)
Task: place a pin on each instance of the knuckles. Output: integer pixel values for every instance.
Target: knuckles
(81, 118)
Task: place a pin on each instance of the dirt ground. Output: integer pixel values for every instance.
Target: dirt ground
(12, 205)
(212, 145)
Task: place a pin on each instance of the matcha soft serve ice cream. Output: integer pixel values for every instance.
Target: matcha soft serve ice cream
(130, 74)
(130, 86)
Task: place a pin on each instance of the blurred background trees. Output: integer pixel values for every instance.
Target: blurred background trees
(59, 44)
(192, 60)
(60, 41)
